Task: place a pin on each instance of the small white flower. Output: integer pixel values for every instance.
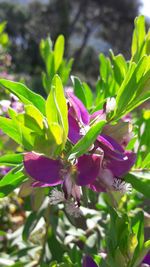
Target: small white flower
(122, 186)
(72, 209)
(56, 197)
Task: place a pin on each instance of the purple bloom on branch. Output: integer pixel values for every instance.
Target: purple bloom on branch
(106, 162)
(88, 262)
(50, 172)
(147, 260)
(116, 162)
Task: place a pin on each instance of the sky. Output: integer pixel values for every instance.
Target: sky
(145, 9)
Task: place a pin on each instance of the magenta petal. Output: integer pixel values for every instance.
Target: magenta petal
(97, 187)
(88, 262)
(98, 116)
(40, 184)
(147, 259)
(43, 169)
(110, 142)
(79, 109)
(74, 130)
(120, 168)
(110, 147)
(88, 167)
(105, 180)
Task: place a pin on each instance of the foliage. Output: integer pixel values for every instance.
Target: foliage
(78, 141)
(80, 22)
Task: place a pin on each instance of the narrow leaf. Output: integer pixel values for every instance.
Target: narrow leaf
(82, 146)
(24, 94)
(11, 159)
(59, 51)
(140, 181)
(11, 181)
(57, 111)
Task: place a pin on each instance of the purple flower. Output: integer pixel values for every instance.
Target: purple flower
(50, 172)
(4, 170)
(88, 262)
(13, 103)
(4, 105)
(116, 162)
(97, 170)
(147, 260)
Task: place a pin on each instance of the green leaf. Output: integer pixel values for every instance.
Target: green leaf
(45, 48)
(24, 94)
(12, 113)
(119, 258)
(106, 85)
(26, 135)
(88, 95)
(18, 132)
(9, 128)
(57, 112)
(135, 87)
(59, 51)
(120, 67)
(11, 181)
(126, 90)
(2, 26)
(65, 69)
(11, 159)
(140, 181)
(35, 113)
(30, 224)
(144, 251)
(55, 246)
(147, 43)
(48, 57)
(138, 229)
(104, 67)
(2, 233)
(138, 38)
(146, 161)
(79, 90)
(30, 122)
(86, 141)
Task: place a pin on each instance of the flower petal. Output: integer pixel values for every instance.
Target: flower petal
(40, 184)
(110, 143)
(88, 167)
(104, 181)
(120, 132)
(110, 147)
(98, 116)
(97, 187)
(88, 262)
(78, 108)
(147, 259)
(74, 129)
(43, 169)
(120, 168)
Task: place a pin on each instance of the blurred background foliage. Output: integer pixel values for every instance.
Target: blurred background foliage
(89, 27)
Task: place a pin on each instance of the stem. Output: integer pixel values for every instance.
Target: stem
(40, 261)
(47, 224)
(85, 197)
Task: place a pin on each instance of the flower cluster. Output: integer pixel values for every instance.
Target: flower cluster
(12, 103)
(105, 162)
